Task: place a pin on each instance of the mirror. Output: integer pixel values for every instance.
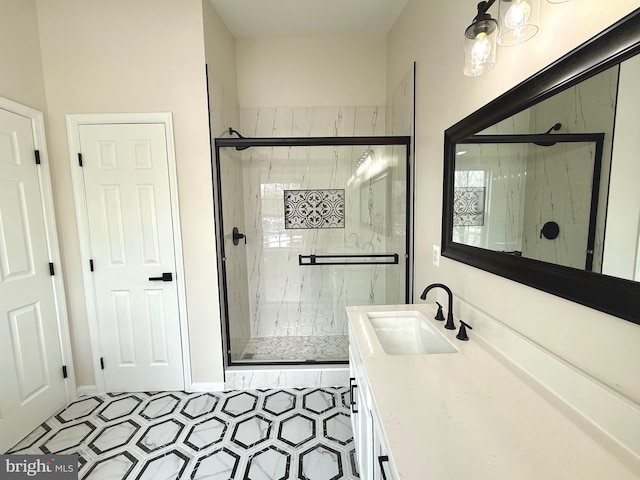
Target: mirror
(538, 183)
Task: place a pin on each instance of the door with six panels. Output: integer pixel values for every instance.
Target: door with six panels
(126, 180)
(32, 386)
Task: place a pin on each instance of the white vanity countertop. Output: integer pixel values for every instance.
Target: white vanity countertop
(474, 415)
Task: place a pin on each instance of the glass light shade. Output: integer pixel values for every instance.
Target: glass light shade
(480, 47)
(480, 53)
(517, 21)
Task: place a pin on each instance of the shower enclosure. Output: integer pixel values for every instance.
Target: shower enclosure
(306, 227)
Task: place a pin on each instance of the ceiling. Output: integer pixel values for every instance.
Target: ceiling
(253, 19)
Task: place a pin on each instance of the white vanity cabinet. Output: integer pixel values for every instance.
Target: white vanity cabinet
(372, 454)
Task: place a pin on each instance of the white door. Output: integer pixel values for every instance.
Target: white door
(32, 385)
(131, 234)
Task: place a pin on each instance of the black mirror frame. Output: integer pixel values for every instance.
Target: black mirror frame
(615, 296)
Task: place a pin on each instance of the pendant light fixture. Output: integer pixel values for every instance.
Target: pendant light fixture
(518, 21)
(480, 42)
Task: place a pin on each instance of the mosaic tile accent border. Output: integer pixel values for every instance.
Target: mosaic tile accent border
(267, 434)
(297, 348)
(313, 209)
(468, 206)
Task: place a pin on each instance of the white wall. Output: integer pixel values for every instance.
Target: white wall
(20, 61)
(220, 55)
(142, 56)
(319, 72)
(432, 34)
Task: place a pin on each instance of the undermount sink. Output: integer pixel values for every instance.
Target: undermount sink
(408, 333)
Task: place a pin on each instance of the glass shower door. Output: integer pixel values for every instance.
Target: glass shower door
(306, 231)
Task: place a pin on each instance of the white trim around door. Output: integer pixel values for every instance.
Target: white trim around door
(74, 121)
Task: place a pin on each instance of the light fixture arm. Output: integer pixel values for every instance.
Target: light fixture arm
(482, 9)
(482, 22)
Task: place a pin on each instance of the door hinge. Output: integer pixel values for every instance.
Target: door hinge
(102, 363)
(37, 153)
(80, 159)
(51, 270)
(64, 371)
(91, 265)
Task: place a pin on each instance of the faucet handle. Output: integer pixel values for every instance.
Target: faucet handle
(462, 333)
(439, 315)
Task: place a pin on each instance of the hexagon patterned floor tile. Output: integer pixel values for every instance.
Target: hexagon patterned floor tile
(240, 404)
(251, 431)
(206, 433)
(297, 430)
(160, 406)
(320, 463)
(269, 463)
(220, 464)
(337, 427)
(284, 434)
(199, 406)
(160, 435)
(79, 409)
(68, 437)
(119, 408)
(114, 436)
(319, 401)
(279, 403)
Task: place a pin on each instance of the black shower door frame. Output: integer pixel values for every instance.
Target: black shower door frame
(244, 143)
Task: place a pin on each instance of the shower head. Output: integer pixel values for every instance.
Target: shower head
(232, 132)
(555, 127)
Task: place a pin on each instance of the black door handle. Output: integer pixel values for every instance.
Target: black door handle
(166, 277)
(237, 236)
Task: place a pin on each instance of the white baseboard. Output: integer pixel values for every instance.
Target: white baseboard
(86, 390)
(207, 387)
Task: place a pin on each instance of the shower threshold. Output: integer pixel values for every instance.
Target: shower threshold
(300, 349)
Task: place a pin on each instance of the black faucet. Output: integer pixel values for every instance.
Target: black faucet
(449, 325)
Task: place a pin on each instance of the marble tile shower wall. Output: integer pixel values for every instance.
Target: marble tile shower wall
(312, 121)
(558, 188)
(503, 168)
(399, 111)
(309, 300)
(289, 299)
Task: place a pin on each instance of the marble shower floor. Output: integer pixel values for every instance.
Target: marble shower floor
(297, 348)
(251, 434)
